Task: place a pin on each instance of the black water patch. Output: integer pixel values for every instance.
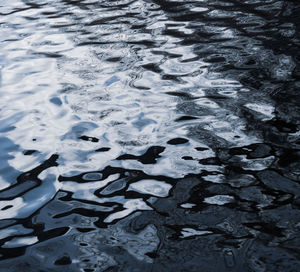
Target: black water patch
(283, 126)
(65, 260)
(103, 149)
(180, 94)
(211, 161)
(275, 181)
(185, 118)
(289, 156)
(253, 151)
(29, 152)
(187, 158)
(177, 141)
(84, 230)
(89, 139)
(149, 157)
(201, 148)
(43, 236)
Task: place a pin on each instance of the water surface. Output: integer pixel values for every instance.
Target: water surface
(149, 135)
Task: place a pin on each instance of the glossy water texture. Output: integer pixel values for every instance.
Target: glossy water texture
(149, 135)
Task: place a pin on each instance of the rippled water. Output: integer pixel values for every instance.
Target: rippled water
(149, 135)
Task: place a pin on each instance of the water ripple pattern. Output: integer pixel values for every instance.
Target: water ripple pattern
(149, 135)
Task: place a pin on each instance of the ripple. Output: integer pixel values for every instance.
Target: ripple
(152, 135)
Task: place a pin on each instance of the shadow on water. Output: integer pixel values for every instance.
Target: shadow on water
(149, 135)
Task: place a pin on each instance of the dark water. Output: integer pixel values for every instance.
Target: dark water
(149, 135)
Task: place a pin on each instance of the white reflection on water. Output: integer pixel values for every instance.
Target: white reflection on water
(219, 199)
(21, 241)
(68, 76)
(152, 187)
